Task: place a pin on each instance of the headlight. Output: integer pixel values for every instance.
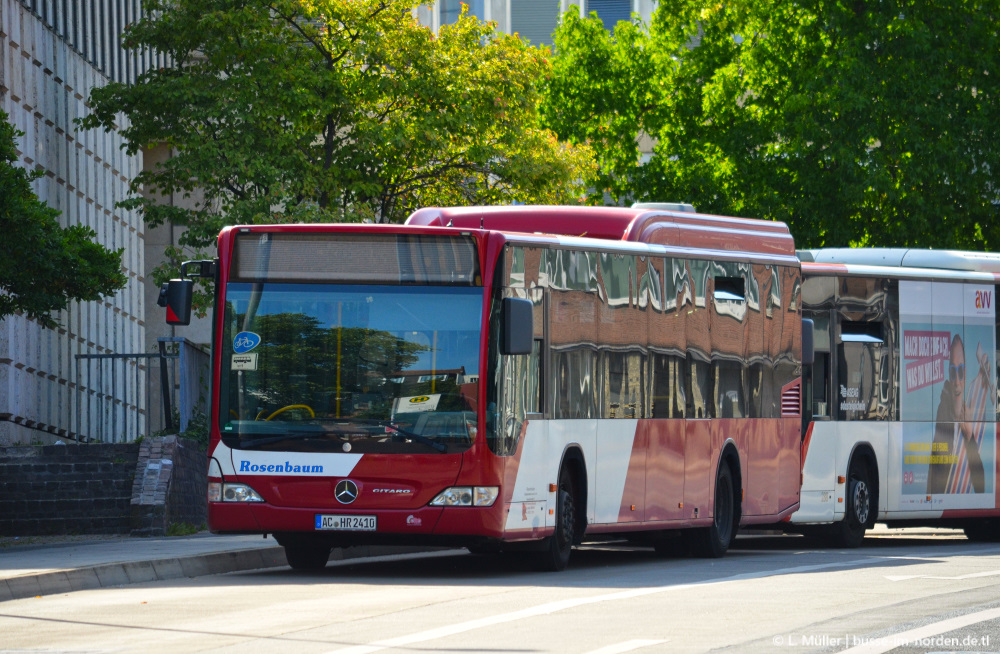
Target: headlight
(467, 496)
(222, 492)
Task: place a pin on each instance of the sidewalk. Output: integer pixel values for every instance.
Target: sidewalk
(46, 568)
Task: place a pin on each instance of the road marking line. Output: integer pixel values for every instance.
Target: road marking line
(627, 646)
(892, 641)
(563, 605)
(975, 575)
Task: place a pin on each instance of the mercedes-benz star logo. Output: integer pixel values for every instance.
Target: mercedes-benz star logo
(346, 491)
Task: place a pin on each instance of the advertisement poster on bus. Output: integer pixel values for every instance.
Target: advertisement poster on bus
(948, 398)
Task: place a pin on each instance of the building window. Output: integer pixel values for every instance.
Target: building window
(534, 20)
(611, 11)
(451, 9)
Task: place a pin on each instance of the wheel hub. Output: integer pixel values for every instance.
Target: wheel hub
(862, 500)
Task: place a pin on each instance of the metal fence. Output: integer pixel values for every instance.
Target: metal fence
(123, 396)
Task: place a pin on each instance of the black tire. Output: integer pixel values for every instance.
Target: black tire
(554, 557)
(860, 509)
(713, 542)
(307, 556)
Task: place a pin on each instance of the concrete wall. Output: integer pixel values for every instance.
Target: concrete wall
(51, 56)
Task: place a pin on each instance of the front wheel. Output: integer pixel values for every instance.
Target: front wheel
(307, 556)
(554, 557)
(713, 542)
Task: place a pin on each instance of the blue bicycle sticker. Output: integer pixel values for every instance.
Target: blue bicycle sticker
(245, 341)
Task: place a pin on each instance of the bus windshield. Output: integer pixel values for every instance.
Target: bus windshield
(350, 368)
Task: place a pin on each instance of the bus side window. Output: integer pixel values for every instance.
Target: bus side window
(860, 369)
(520, 395)
(668, 386)
(820, 385)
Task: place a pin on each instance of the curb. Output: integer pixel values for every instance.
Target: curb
(137, 572)
(198, 565)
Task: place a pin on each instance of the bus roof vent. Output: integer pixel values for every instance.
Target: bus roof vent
(665, 206)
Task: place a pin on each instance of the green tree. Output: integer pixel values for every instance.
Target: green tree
(869, 123)
(44, 266)
(331, 110)
(601, 92)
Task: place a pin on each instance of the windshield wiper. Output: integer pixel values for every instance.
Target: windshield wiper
(388, 424)
(291, 434)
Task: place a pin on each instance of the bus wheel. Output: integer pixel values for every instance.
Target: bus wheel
(859, 512)
(712, 542)
(307, 556)
(557, 547)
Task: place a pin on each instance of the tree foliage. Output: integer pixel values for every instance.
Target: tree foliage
(868, 123)
(44, 266)
(331, 110)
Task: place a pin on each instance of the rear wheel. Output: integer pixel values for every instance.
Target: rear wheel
(859, 513)
(307, 556)
(554, 556)
(712, 542)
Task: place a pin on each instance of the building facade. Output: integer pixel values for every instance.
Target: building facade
(534, 20)
(57, 384)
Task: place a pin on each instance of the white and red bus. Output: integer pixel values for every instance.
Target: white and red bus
(516, 378)
(900, 403)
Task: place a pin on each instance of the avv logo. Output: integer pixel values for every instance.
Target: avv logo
(245, 341)
(984, 299)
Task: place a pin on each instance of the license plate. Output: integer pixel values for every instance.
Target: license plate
(346, 522)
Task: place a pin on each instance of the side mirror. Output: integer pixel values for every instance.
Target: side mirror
(175, 295)
(518, 326)
(808, 343)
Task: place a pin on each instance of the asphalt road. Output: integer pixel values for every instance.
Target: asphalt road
(914, 591)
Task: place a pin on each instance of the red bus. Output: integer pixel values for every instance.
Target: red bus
(900, 404)
(504, 378)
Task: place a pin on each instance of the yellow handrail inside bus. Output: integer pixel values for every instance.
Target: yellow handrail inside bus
(312, 414)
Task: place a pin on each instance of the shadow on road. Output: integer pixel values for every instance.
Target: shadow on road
(624, 565)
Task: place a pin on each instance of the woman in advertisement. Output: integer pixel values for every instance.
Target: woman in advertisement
(954, 433)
